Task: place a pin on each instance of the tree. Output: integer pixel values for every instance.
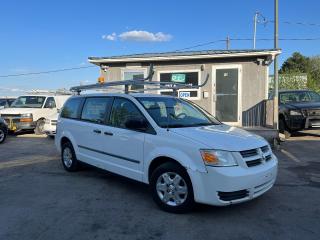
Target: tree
(314, 74)
(297, 63)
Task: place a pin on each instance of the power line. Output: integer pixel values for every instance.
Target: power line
(200, 45)
(182, 49)
(247, 39)
(294, 23)
(44, 72)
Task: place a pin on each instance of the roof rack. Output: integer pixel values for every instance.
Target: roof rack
(153, 85)
(50, 92)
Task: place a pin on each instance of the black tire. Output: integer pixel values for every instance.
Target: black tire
(3, 135)
(284, 129)
(74, 164)
(39, 127)
(172, 169)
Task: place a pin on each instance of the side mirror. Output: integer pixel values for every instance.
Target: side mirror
(137, 124)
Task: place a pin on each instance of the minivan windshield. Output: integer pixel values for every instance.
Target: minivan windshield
(28, 102)
(299, 96)
(176, 113)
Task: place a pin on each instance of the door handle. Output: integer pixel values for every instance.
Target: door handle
(97, 131)
(108, 133)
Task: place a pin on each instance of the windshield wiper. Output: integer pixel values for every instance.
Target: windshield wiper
(176, 126)
(204, 124)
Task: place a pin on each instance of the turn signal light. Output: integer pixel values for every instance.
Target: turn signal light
(209, 157)
(25, 119)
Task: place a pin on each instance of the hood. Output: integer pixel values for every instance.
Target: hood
(222, 137)
(18, 110)
(304, 105)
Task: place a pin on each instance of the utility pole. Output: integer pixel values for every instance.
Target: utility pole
(255, 19)
(275, 63)
(228, 43)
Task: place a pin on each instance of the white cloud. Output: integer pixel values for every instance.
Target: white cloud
(11, 89)
(139, 36)
(110, 37)
(144, 36)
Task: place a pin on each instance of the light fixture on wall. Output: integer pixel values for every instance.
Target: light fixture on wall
(104, 68)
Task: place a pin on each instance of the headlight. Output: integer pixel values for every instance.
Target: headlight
(218, 158)
(295, 113)
(26, 115)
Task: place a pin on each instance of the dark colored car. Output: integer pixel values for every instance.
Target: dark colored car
(3, 130)
(298, 110)
(6, 102)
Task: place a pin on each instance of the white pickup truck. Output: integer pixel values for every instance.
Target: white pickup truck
(29, 112)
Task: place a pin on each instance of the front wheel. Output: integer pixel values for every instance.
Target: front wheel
(39, 127)
(171, 188)
(283, 129)
(3, 135)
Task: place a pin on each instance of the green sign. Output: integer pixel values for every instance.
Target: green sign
(178, 77)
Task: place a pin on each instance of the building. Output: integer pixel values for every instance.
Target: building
(237, 86)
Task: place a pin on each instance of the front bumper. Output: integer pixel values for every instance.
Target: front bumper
(303, 122)
(222, 186)
(50, 129)
(15, 125)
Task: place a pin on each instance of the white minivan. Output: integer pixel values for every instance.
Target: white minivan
(182, 152)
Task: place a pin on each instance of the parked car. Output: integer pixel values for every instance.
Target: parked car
(50, 125)
(6, 102)
(183, 153)
(3, 130)
(298, 110)
(28, 112)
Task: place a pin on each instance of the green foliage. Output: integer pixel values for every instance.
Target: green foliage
(299, 64)
(295, 64)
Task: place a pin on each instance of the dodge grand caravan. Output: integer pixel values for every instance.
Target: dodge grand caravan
(182, 152)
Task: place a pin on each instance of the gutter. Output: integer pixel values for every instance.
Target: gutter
(99, 61)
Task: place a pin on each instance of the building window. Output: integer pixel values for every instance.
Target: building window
(186, 77)
(132, 74)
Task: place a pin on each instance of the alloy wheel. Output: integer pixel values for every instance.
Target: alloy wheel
(172, 189)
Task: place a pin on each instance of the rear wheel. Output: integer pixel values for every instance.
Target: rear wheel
(68, 158)
(39, 127)
(171, 188)
(3, 135)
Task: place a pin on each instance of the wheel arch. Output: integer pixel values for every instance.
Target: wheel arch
(156, 162)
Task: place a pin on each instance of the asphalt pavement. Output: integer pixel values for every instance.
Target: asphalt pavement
(39, 200)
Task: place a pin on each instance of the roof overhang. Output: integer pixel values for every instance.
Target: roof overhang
(139, 58)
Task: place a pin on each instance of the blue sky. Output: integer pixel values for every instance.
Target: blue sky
(48, 35)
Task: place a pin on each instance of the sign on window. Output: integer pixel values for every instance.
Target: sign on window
(178, 77)
(184, 94)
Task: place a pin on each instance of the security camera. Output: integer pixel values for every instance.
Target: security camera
(104, 68)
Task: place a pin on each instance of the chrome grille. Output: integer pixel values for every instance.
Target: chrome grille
(10, 115)
(249, 153)
(257, 156)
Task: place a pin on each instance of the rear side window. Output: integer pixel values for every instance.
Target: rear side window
(71, 109)
(95, 109)
(122, 111)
